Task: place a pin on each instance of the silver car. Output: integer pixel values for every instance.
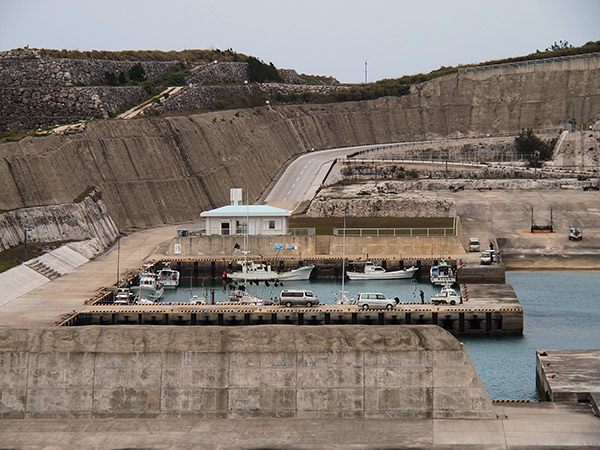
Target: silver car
(375, 301)
(290, 297)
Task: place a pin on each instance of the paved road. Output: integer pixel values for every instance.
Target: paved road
(545, 425)
(303, 177)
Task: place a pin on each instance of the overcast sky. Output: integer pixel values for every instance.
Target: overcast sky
(324, 37)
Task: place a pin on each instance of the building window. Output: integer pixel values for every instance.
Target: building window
(225, 228)
(271, 224)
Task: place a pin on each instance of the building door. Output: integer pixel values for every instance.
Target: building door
(252, 227)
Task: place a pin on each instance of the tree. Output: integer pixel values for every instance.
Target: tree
(260, 72)
(532, 147)
(137, 73)
(561, 45)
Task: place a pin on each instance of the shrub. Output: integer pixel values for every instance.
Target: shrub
(532, 147)
(260, 72)
(137, 73)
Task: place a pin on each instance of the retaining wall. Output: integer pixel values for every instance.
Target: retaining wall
(168, 170)
(260, 371)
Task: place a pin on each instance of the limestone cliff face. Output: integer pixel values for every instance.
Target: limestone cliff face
(86, 220)
(165, 170)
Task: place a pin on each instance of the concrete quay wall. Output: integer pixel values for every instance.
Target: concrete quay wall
(294, 372)
(459, 321)
(306, 246)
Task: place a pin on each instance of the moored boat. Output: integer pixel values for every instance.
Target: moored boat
(376, 272)
(252, 271)
(150, 288)
(442, 274)
(168, 277)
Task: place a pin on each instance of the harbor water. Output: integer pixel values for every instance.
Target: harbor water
(561, 312)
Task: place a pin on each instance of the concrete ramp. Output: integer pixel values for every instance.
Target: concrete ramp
(18, 281)
(274, 371)
(38, 271)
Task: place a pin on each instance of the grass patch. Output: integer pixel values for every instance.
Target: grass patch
(14, 256)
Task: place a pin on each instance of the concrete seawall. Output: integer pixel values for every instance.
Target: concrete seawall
(270, 371)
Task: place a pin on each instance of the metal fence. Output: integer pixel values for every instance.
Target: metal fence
(395, 232)
(529, 62)
(298, 232)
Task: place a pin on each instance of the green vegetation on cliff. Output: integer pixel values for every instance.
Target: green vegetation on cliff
(394, 87)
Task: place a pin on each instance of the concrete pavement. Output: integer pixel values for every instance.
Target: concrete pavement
(518, 426)
(42, 306)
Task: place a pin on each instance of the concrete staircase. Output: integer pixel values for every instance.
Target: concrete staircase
(43, 269)
(137, 110)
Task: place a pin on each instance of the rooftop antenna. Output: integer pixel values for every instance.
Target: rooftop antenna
(365, 72)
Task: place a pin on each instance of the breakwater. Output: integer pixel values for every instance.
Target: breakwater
(246, 372)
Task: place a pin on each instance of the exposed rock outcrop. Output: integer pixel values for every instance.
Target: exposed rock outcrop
(167, 170)
(86, 220)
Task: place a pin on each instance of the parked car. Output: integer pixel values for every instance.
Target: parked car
(575, 234)
(473, 244)
(375, 301)
(291, 297)
(487, 257)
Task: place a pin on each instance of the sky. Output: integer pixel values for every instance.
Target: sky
(326, 37)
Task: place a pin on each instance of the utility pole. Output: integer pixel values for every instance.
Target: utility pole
(365, 72)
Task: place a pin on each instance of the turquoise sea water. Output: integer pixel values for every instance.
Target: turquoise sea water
(561, 312)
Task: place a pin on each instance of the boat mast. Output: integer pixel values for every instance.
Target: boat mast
(344, 254)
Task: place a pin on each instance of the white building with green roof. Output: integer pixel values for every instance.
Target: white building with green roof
(234, 219)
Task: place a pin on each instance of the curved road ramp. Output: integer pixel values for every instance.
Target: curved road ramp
(268, 371)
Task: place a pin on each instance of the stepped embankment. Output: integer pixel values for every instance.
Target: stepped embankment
(167, 170)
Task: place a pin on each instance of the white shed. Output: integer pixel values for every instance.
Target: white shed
(234, 219)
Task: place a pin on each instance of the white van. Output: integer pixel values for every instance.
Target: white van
(375, 301)
(290, 297)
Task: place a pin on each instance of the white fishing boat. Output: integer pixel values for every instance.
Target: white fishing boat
(253, 271)
(150, 288)
(446, 295)
(122, 296)
(442, 274)
(168, 277)
(376, 272)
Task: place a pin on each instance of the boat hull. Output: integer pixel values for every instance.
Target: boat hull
(302, 273)
(394, 275)
(441, 281)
